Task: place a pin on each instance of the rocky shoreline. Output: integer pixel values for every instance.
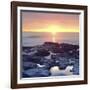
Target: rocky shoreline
(38, 60)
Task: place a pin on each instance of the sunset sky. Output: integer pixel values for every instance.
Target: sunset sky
(49, 22)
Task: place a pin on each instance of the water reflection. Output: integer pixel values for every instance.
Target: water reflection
(54, 37)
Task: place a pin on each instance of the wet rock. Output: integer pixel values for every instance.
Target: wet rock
(62, 66)
(25, 57)
(42, 52)
(54, 57)
(31, 58)
(62, 63)
(37, 72)
(68, 47)
(25, 75)
(51, 44)
(57, 50)
(39, 59)
(47, 62)
(71, 61)
(75, 69)
(26, 49)
(29, 65)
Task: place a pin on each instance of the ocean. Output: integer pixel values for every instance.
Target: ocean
(38, 38)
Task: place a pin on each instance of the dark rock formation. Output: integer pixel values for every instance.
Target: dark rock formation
(42, 52)
(51, 44)
(38, 60)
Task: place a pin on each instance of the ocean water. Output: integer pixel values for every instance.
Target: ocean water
(38, 38)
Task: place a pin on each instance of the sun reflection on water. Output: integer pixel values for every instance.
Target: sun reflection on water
(53, 36)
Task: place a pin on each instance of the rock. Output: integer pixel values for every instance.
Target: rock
(25, 75)
(54, 57)
(42, 52)
(62, 63)
(51, 44)
(71, 61)
(29, 53)
(31, 58)
(50, 55)
(75, 69)
(35, 59)
(26, 49)
(64, 54)
(62, 66)
(68, 47)
(25, 57)
(57, 50)
(29, 65)
(37, 72)
(45, 56)
(47, 62)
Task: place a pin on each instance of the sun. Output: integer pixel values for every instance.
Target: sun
(53, 29)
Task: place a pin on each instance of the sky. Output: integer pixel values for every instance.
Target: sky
(49, 22)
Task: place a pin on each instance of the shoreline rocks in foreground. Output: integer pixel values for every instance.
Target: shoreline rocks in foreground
(38, 60)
